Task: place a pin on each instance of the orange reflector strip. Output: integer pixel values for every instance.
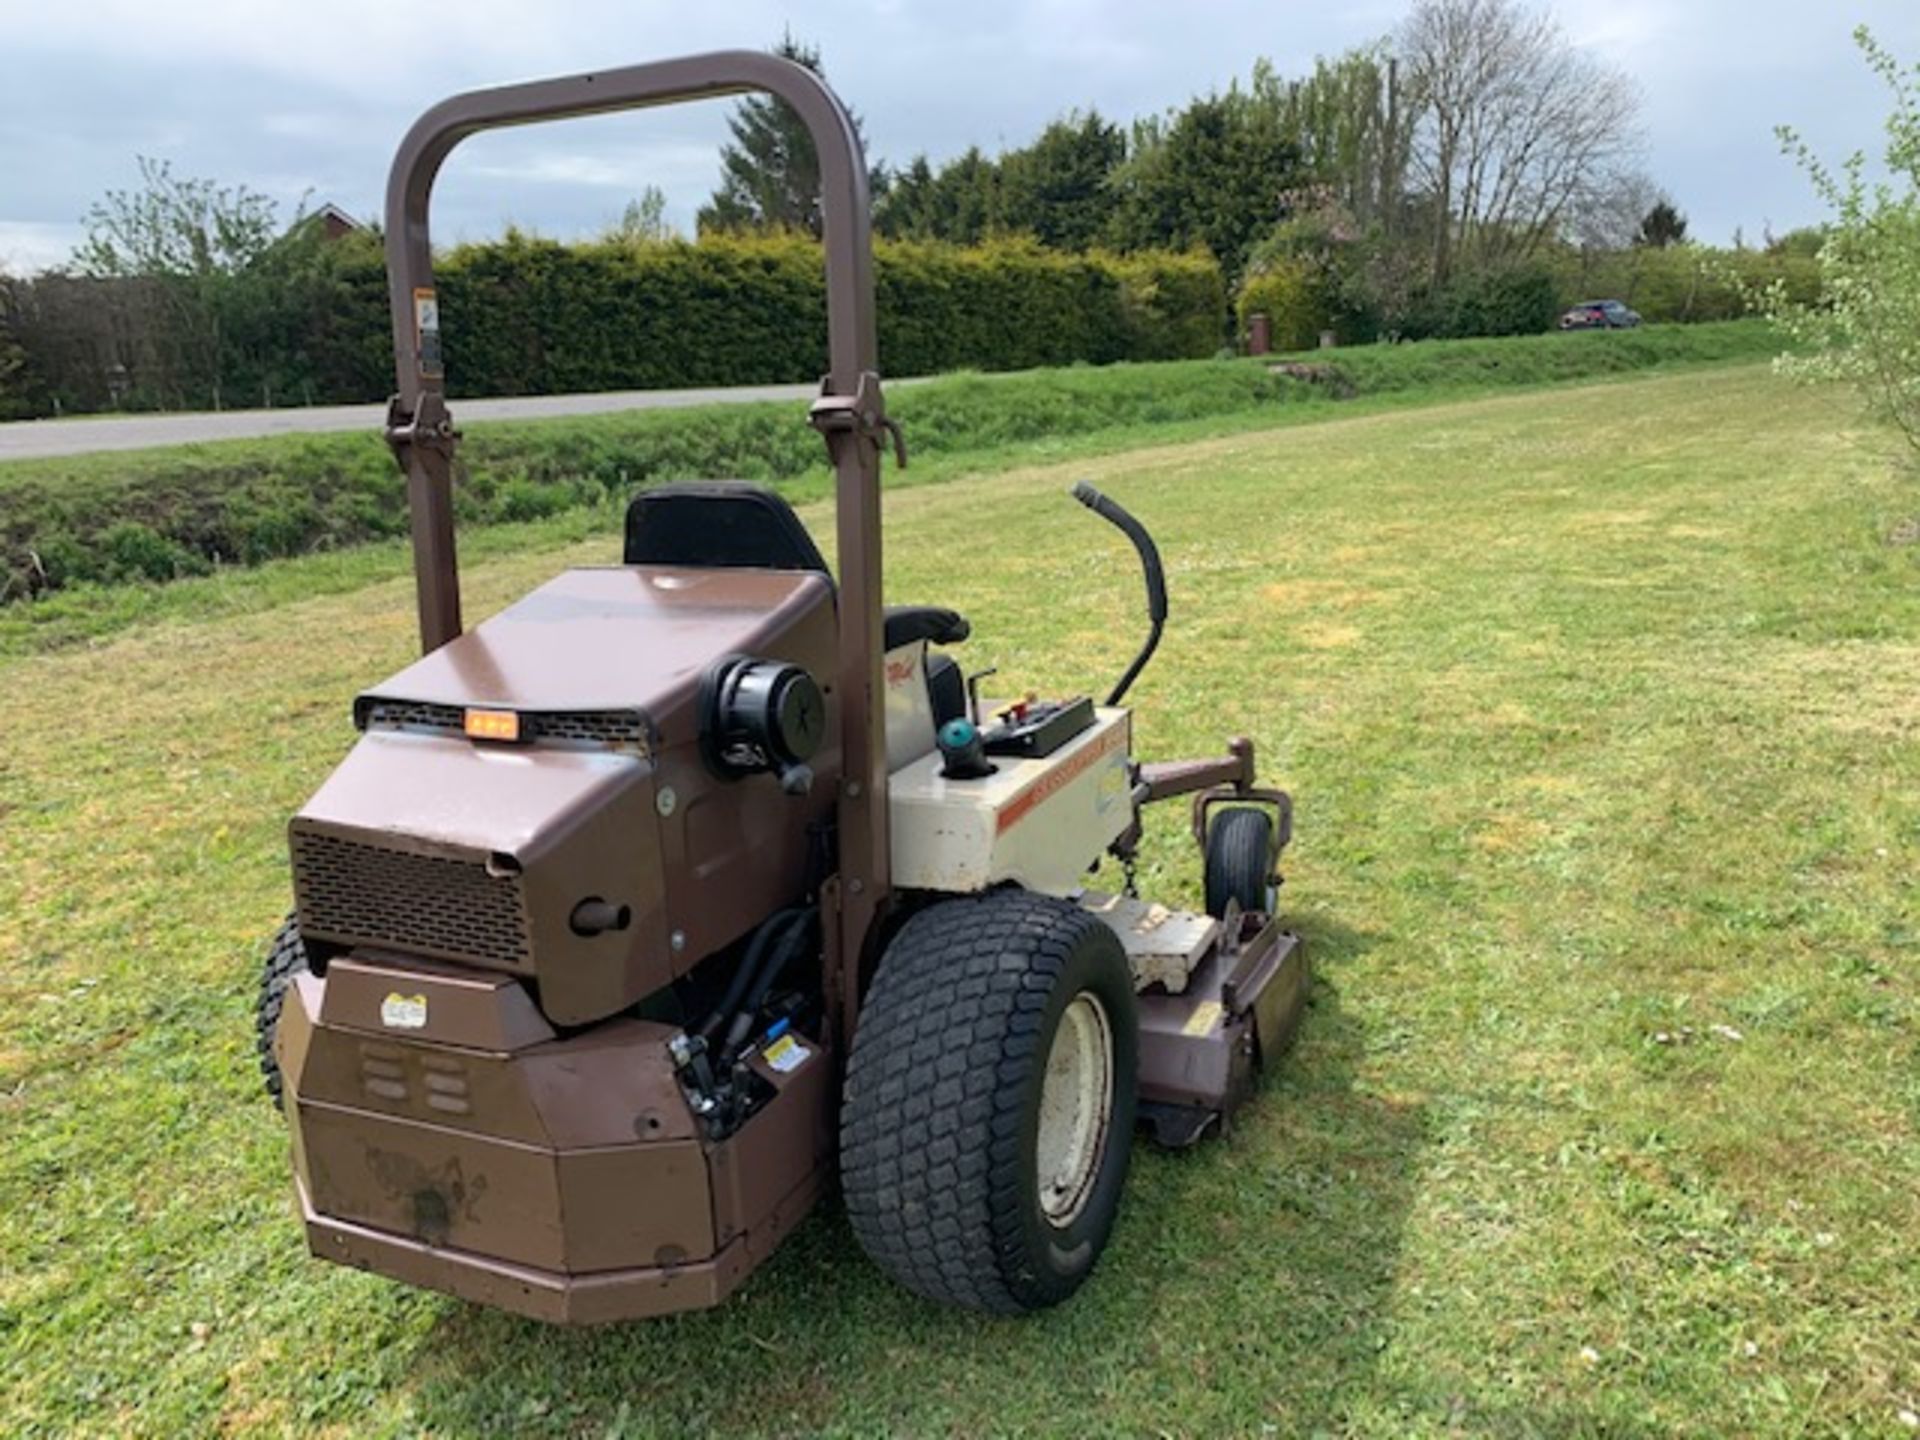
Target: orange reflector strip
(493, 725)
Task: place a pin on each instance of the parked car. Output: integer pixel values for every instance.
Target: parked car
(1600, 315)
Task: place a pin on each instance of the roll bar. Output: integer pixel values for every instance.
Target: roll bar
(850, 413)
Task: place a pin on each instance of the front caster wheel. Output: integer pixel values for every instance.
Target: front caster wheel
(989, 1108)
(1240, 862)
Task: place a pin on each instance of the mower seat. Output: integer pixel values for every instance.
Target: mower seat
(718, 524)
(935, 623)
(731, 524)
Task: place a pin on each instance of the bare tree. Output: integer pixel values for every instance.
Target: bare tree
(1517, 130)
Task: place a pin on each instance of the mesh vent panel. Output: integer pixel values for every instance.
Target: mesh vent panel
(425, 904)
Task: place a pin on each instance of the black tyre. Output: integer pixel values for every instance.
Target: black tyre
(1240, 861)
(989, 1108)
(286, 958)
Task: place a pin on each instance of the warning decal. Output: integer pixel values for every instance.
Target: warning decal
(785, 1054)
(426, 331)
(404, 1012)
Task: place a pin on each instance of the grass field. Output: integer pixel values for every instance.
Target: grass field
(1601, 708)
(74, 529)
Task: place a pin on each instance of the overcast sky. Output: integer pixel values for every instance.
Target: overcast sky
(310, 98)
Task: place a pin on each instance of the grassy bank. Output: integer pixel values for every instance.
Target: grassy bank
(162, 515)
(1598, 708)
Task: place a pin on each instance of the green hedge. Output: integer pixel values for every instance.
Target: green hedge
(158, 514)
(525, 316)
(531, 317)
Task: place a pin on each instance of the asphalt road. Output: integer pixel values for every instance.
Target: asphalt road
(32, 439)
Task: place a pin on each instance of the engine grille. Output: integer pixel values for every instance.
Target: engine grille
(601, 729)
(424, 904)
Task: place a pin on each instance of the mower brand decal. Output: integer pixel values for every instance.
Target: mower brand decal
(1058, 778)
(403, 1012)
(785, 1054)
(899, 672)
(1203, 1018)
(426, 330)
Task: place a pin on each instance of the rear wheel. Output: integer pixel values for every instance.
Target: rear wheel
(286, 958)
(1240, 861)
(989, 1107)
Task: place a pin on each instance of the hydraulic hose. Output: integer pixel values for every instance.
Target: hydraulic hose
(743, 973)
(792, 937)
(1115, 515)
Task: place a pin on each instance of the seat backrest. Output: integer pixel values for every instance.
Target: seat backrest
(718, 524)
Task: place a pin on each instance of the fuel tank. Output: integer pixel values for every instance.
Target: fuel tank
(577, 835)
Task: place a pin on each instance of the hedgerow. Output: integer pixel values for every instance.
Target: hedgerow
(526, 316)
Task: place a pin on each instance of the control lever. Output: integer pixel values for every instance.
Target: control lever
(963, 751)
(1115, 515)
(973, 692)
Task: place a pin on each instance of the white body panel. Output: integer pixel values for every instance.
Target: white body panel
(1040, 822)
(909, 705)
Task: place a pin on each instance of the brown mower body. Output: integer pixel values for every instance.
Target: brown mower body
(641, 907)
(426, 842)
(562, 1178)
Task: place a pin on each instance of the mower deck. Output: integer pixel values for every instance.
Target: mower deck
(1217, 1002)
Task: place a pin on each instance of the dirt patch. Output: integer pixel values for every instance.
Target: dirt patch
(1505, 834)
(1322, 595)
(1328, 637)
(1614, 517)
(1506, 716)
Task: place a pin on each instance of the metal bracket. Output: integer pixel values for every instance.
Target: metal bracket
(862, 413)
(430, 427)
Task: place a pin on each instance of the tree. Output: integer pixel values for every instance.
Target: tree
(958, 203)
(1211, 174)
(769, 174)
(1516, 129)
(1662, 226)
(1351, 126)
(1862, 329)
(191, 246)
(644, 221)
(1057, 188)
(13, 359)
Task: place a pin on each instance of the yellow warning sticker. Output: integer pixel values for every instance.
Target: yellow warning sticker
(404, 1012)
(785, 1054)
(1203, 1019)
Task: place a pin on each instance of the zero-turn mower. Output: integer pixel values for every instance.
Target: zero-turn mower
(643, 908)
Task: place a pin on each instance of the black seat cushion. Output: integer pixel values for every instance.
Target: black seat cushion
(718, 524)
(947, 688)
(908, 623)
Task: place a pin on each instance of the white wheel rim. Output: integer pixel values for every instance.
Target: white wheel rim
(1076, 1104)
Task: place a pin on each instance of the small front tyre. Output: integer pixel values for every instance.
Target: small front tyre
(1240, 862)
(989, 1108)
